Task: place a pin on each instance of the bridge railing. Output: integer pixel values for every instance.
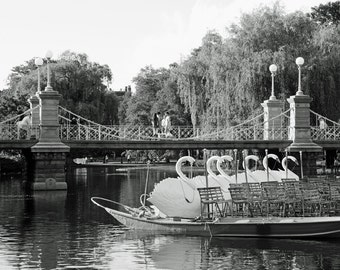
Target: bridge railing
(244, 133)
(19, 127)
(255, 128)
(330, 133)
(278, 133)
(9, 132)
(115, 132)
(13, 132)
(323, 128)
(84, 132)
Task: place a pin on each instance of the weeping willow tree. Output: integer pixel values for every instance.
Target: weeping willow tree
(322, 76)
(225, 80)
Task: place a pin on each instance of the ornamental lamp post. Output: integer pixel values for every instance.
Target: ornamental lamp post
(48, 55)
(272, 69)
(299, 61)
(38, 62)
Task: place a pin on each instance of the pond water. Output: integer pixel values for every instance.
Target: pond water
(64, 230)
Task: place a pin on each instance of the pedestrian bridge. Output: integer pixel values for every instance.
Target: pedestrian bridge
(252, 133)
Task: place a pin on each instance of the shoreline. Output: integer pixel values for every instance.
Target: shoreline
(135, 166)
(164, 166)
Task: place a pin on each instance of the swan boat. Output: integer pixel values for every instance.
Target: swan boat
(179, 197)
(182, 216)
(260, 227)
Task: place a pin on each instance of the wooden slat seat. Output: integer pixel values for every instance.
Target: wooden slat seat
(311, 202)
(254, 197)
(212, 202)
(335, 198)
(274, 195)
(323, 186)
(239, 200)
(293, 198)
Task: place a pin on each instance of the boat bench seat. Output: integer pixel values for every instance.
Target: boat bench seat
(212, 202)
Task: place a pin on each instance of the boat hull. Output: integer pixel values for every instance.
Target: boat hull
(299, 227)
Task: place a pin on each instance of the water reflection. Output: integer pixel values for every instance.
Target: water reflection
(64, 230)
(178, 252)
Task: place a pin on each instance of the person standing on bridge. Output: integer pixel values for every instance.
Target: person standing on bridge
(155, 124)
(73, 121)
(322, 122)
(323, 126)
(159, 119)
(25, 127)
(163, 124)
(167, 124)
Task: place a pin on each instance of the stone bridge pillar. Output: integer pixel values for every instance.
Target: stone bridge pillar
(49, 154)
(272, 108)
(300, 133)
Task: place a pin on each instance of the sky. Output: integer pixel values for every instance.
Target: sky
(127, 35)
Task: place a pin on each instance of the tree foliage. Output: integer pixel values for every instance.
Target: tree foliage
(155, 92)
(11, 106)
(224, 81)
(326, 13)
(82, 84)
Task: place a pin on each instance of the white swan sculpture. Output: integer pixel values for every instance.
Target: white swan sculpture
(268, 174)
(211, 179)
(247, 175)
(177, 197)
(179, 171)
(221, 171)
(286, 173)
(217, 180)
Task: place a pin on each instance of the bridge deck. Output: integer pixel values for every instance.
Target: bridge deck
(17, 144)
(178, 144)
(171, 144)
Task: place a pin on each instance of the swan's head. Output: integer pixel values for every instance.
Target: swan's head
(209, 163)
(265, 159)
(252, 157)
(212, 159)
(273, 156)
(293, 159)
(219, 162)
(189, 159)
(249, 157)
(222, 159)
(284, 161)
